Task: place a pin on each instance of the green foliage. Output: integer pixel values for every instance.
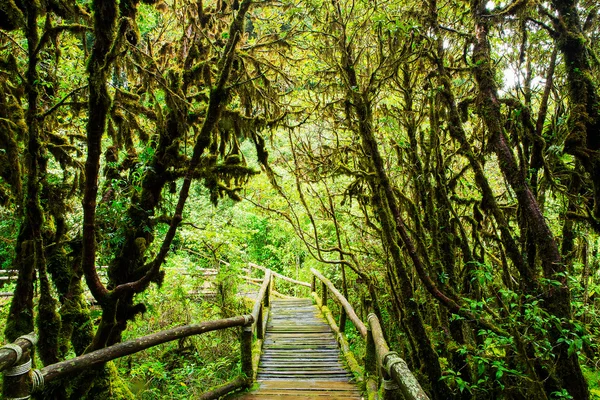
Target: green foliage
(335, 75)
(8, 233)
(494, 356)
(191, 366)
(593, 378)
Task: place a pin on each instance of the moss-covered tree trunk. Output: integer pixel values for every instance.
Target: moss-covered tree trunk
(557, 298)
(130, 272)
(359, 114)
(583, 138)
(105, 22)
(30, 254)
(389, 215)
(129, 264)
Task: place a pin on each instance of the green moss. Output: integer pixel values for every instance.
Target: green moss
(20, 317)
(48, 324)
(11, 17)
(141, 246)
(16, 327)
(59, 270)
(12, 129)
(108, 385)
(83, 331)
(193, 74)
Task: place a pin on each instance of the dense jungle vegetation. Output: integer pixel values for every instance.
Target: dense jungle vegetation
(438, 160)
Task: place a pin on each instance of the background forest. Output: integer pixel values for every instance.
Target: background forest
(439, 161)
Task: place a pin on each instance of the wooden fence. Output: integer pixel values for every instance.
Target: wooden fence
(20, 380)
(379, 360)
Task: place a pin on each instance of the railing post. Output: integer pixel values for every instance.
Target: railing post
(268, 293)
(259, 324)
(19, 381)
(324, 296)
(391, 390)
(246, 350)
(342, 323)
(370, 355)
(371, 370)
(313, 284)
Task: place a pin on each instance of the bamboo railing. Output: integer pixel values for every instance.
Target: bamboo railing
(379, 359)
(20, 381)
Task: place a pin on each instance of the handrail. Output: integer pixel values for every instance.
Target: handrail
(262, 294)
(249, 279)
(362, 329)
(11, 355)
(274, 293)
(258, 326)
(16, 362)
(51, 372)
(14, 358)
(393, 367)
(9, 272)
(283, 277)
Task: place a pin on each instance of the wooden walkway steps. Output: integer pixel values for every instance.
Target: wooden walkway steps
(300, 358)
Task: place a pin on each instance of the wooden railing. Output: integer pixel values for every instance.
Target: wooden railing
(20, 381)
(7, 276)
(379, 359)
(11, 275)
(15, 362)
(306, 285)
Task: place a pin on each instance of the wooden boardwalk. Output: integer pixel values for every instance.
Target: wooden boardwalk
(300, 358)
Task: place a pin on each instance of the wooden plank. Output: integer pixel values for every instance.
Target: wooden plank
(282, 364)
(302, 396)
(323, 373)
(294, 356)
(300, 357)
(288, 393)
(305, 389)
(307, 385)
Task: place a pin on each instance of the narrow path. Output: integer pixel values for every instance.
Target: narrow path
(300, 356)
